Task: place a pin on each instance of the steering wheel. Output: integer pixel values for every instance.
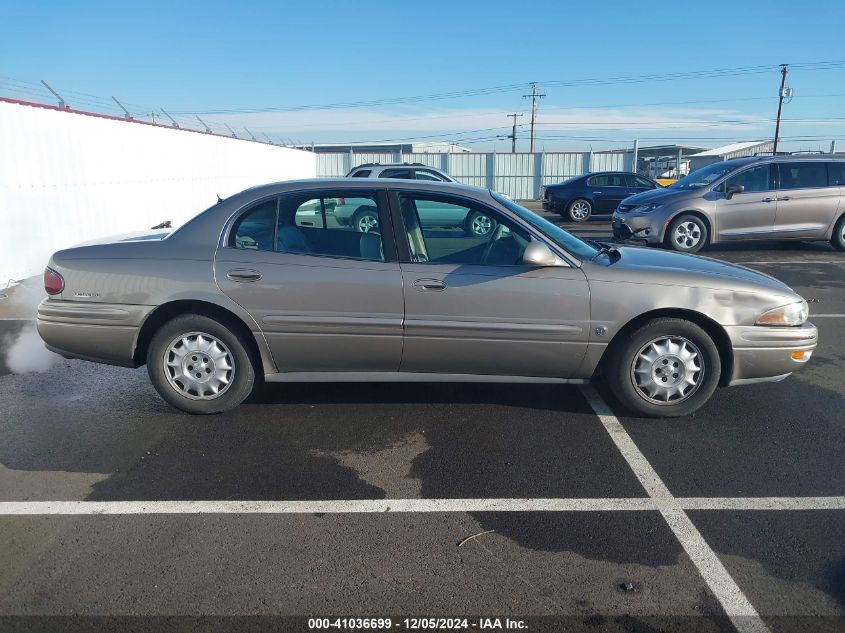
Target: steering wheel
(497, 233)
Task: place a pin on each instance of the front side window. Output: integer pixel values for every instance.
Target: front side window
(254, 230)
(444, 230)
(754, 179)
(802, 175)
(639, 181)
(331, 225)
(397, 173)
(703, 177)
(427, 175)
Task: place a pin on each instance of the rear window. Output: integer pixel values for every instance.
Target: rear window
(397, 173)
(802, 175)
(362, 173)
(607, 180)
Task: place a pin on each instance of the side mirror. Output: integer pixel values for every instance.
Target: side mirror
(733, 190)
(538, 254)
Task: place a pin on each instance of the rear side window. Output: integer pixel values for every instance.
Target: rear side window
(639, 181)
(362, 173)
(836, 173)
(802, 175)
(255, 229)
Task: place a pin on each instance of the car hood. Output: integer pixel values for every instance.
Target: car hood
(655, 196)
(661, 266)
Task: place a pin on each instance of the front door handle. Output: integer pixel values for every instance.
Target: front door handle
(784, 198)
(768, 199)
(430, 285)
(243, 274)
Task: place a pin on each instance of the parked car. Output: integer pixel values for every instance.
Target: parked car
(771, 197)
(405, 171)
(439, 216)
(251, 288)
(579, 198)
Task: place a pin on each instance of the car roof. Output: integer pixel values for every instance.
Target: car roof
(363, 183)
(415, 165)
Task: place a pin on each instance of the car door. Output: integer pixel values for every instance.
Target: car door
(472, 307)
(327, 297)
(750, 213)
(807, 199)
(607, 191)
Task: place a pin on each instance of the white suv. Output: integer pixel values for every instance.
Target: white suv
(405, 171)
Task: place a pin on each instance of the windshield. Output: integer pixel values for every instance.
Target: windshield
(565, 240)
(703, 177)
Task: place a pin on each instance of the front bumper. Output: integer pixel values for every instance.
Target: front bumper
(766, 354)
(650, 234)
(99, 332)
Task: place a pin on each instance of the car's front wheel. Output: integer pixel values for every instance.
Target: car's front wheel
(687, 233)
(200, 365)
(668, 367)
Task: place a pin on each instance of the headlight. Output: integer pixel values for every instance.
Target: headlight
(645, 208)
(791, 314)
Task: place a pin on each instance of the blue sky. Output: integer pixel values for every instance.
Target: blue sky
(207, 57)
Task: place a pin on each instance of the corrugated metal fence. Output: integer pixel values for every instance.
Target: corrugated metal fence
(519, 176)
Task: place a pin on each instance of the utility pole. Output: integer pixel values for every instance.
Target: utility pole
(535, 94)
(513, 134)
(784, 69)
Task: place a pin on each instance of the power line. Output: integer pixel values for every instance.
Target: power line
(513, 133)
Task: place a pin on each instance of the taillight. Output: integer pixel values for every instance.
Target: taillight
(54, 283)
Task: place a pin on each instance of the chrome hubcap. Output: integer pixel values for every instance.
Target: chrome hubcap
(687, 234)
(580, 210)
(481, 225)
(199, 366)
(667, 370)
(367, 223)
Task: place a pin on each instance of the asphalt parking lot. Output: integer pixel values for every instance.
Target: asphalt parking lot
(355, 500)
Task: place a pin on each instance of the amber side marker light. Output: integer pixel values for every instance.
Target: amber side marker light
(798, 355)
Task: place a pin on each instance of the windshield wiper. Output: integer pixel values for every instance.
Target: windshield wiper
(606, 249)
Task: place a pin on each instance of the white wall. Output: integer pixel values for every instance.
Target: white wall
(66, 178)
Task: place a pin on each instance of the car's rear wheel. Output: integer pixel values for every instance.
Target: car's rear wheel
(200, 365)
(579, 210)
(837, 240)
(478, 224)
(668, 367)
(687, 233)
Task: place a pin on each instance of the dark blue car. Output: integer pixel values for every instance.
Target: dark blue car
(598, 193)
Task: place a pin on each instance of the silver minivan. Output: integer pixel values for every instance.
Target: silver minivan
(791, 197)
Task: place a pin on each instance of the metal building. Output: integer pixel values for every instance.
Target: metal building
(727, 152)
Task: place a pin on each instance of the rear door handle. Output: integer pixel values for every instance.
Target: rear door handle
(784, 198)
(768, 199)
(430, 285)
(243, 274)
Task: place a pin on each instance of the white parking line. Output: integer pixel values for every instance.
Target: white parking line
(739, 609)
(375, 506)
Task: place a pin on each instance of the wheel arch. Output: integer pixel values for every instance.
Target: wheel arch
(167, 311)
(713, 329)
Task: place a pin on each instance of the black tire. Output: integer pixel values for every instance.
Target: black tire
(166, 380)
(479, 224)
(366, 221)
(687, 233)
(621, 364)
(579, 210)
(837, 240)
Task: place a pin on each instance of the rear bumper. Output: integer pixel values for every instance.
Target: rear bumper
(99, 332)
(765, 354)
